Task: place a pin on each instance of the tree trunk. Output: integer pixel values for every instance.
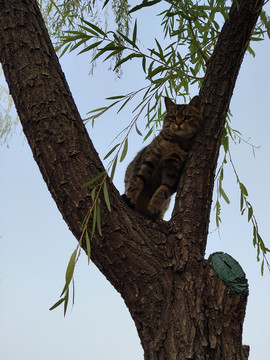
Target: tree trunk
(180, 306)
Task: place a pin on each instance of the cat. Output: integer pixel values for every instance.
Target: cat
(152, 176)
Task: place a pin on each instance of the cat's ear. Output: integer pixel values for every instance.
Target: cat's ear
(196, 102)
(170, 105)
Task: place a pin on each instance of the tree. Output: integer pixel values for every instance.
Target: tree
(158, 268)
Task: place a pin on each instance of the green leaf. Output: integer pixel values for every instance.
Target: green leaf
(124, 104)
(218, 210)
(70, 271)
(144, 4)
(262, 267)
(253, 38)
(73, 291)
(78, 44)
(159, 82)
(266, 21)
(105, 3)
(110, 47)
(149, 133)
(88, 246)
(137, 130)
(102, 109)
(243, 189)
(221, 174)
(77, 35)
(258, 253)
(254, 236)
(134, 35)
(129, 57)
(118, 97)
(93, 193)
(98, 217)
(94, 220)
(161, 55)
(106, 196)
(113, 168)
(113, 53)
(66, 302)
(91, 31)
(65, 49)
(156, 71)
(124, 152)
(94, 27)
(90, 47)
(250, 213)
(251, 51)
(110, 152)
(88, 183)
(241, 202)
(131, 42)
(225, 142)
(59, 302)
(261, 243)
(225, 197)
(144, 64)
(71, 266)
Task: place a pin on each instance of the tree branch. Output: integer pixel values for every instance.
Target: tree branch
(61, 145)
(194, 196)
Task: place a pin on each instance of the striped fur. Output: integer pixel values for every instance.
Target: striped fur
(152, 176)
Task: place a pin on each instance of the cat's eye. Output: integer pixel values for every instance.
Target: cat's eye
(173, 118)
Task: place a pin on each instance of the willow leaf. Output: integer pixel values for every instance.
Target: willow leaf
(262, 267)
(90, 47)
(59, 302)
(250, 213)
(66, 302)
(88, 246)
(111, 151)
(243, 189)
(96, 28)
(92, 181)
(70, 271)
(124, 152)
(134, 35)
(225, 197)
(113, 168)
(129, 57)
(94, 220)
(98, 217)
(137, 130)
(106, 196)
(144, 4)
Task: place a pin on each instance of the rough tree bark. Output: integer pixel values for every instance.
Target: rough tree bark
(181, 308)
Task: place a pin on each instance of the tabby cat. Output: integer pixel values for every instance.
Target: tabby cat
(152, 176)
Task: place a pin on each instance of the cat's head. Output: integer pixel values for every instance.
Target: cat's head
(183, 120)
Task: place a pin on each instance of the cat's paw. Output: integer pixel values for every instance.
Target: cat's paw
(153, 212)
(128, 201)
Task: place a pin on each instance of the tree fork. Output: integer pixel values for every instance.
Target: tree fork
(181, 308)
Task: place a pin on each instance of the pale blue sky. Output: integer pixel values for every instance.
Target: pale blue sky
(35, 243)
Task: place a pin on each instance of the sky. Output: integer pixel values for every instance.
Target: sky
(35, 243)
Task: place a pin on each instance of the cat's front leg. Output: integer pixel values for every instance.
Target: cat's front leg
(171, 169)
(139, 179)
(159, 202)
(133, 191)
